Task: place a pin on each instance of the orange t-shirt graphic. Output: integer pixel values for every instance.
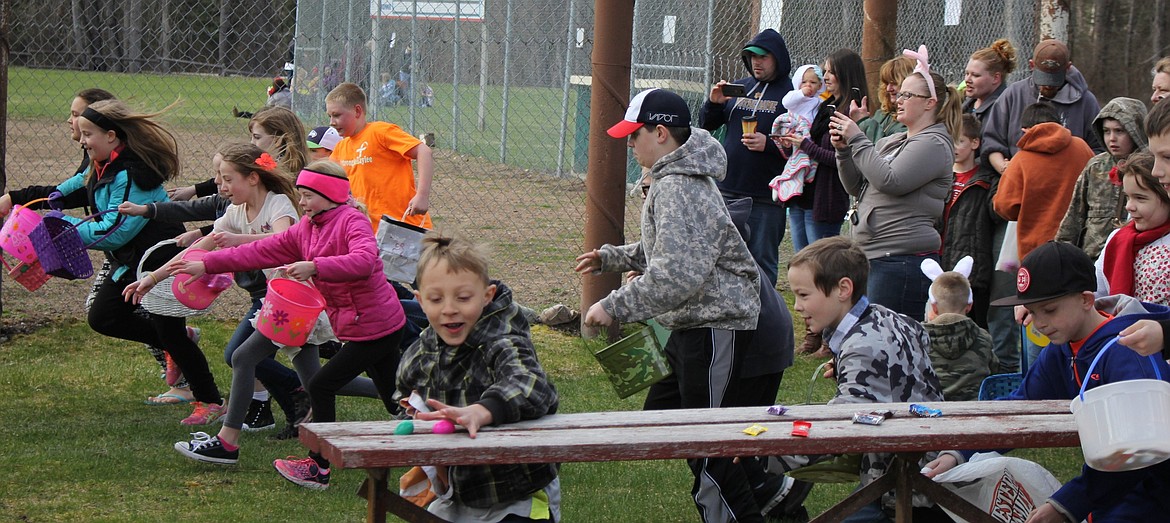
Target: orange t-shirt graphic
(380, 173)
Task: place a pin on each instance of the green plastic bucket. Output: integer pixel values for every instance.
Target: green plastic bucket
(634, 362)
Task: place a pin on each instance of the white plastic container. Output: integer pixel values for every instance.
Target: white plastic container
(1124, 425)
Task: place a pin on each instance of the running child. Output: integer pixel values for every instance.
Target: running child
(333, 245)
(476, 366)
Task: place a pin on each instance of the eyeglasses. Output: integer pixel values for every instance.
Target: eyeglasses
(906, 95)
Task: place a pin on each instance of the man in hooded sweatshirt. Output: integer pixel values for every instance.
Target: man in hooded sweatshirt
(1037, 187)
(1055, 80)
(753, 159)
(698, 280)
(1097, 208)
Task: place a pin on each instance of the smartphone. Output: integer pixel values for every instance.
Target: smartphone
(733, 90)
(856, 94)
(832, 108)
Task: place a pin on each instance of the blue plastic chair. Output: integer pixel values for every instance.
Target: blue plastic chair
(999, 385)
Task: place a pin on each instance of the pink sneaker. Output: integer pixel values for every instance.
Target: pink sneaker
(303, 472)
(205, 414)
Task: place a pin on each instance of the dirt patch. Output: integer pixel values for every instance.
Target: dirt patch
(532, 222)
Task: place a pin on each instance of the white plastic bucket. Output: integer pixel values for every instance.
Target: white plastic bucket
(1124, 425)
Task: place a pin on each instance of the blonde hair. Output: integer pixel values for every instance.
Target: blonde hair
(153, 143)
(460, 254)
(951, 292)
(289, 133)
(1000, 57)
(893, 72)
(347, 94)
(949, 109)
(243, 158)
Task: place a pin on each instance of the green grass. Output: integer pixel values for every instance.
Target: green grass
(80, 445)
(532, 137)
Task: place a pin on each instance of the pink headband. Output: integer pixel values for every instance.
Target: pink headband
(331, 187)
(923, 68)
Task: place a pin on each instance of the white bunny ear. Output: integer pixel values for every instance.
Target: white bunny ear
(931, 269)
(964, 266)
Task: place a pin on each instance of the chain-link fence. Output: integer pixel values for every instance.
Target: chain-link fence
(503, 87)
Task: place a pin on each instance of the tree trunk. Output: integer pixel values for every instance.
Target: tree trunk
(132, 34)
(82, 58)
(164, 38)
(224, 27)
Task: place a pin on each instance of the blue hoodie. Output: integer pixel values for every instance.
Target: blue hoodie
(748, 172)
(1134, 496)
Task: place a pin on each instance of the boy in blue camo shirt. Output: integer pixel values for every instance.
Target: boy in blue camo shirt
(879, 356)
(476, 366)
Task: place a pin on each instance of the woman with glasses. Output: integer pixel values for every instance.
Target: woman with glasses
(900, 185)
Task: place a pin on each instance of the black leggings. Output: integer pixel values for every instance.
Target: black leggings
(377, 358)
(111, 315)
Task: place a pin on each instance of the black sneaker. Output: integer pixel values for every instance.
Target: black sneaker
(303, 407)
(788, 500)
(259, 416)
(207, 449)
(290, 431)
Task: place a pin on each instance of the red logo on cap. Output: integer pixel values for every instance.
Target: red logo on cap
(1023, 280)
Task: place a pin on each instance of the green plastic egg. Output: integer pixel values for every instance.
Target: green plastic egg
(404, 428)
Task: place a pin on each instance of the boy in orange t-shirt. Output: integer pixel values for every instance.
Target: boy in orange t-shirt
(377, 158)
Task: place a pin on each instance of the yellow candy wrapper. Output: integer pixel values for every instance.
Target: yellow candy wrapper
(755, 430)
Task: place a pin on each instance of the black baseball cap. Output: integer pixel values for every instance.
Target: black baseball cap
(655, 107)
(1050, 271)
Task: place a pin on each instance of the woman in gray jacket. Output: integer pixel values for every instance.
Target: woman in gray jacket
(900, 185)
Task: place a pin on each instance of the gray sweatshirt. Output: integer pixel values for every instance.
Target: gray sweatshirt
(697, 271)
(902, 184)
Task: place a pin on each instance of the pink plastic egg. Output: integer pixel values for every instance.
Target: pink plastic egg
(443, 426)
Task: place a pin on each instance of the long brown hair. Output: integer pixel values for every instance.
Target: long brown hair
(243, 157)
(289, 133)
(153, 143)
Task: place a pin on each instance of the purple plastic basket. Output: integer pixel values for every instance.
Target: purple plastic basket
(60, 249)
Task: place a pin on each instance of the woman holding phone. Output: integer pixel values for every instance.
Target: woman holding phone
(820, 210)
(900, 185)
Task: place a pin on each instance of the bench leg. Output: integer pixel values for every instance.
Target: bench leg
(853, 502)
(380, 499)
(902, 467)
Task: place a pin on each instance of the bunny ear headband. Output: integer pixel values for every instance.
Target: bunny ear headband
(923, 68)
(933, 270)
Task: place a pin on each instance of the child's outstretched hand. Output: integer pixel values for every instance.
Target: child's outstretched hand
(589, 262)
(188, 238)
(134, 292)
(131, 209)
(194, 268)
(224, 240)
(472, 416)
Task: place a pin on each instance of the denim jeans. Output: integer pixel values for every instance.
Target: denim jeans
(1001, 321)
(765, 232)
(897, 283)
(806, 230)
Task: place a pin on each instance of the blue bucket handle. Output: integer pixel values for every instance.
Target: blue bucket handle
(1112, 342)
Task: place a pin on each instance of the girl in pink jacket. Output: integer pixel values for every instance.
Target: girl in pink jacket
(334, 246)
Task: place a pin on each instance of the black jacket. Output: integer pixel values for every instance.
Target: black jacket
(969, 226)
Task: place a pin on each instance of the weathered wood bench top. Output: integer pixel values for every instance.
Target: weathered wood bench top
(695, 433)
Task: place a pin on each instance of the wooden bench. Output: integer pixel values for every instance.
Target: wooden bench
(696, 433)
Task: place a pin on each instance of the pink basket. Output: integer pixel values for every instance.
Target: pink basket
(198, 293)
(60, 249)
(29, 274)
(14, 235)
(290, 311)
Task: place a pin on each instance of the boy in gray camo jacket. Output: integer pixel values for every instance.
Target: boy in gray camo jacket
(698, 280)
(879, 356)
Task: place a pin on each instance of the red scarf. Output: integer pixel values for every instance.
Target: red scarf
(1121, 253)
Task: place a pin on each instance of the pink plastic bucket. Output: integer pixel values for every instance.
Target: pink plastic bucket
(14, 234)
(198, 293)
(290, 311)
